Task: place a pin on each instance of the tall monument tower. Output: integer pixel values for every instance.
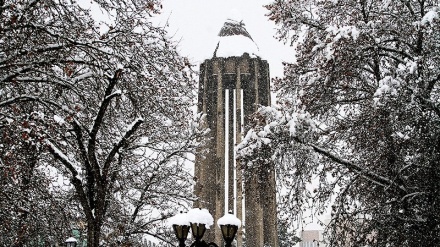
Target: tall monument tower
(233, 84)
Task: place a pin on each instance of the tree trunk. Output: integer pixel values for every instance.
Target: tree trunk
(93, 233)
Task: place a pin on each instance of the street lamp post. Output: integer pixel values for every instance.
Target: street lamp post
(181, 232)
(198, 231)
(71, 242)
(199, 220)
(228, 232)
(229, 225)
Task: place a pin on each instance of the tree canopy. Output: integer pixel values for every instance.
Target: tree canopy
(357, 123)
(95, 118)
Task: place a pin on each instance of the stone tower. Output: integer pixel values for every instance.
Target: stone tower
(233, 83)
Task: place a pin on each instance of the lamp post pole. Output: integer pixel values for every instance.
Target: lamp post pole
(181, 232)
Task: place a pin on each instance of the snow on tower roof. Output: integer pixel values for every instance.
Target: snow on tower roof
(234, 39)
(234, 27)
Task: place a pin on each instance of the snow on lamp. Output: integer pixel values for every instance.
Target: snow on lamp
(229, 225)
(180, 224)
(71, 242)
(200, 220)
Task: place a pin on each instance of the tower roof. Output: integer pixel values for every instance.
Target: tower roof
(234, 40)
(233, 27)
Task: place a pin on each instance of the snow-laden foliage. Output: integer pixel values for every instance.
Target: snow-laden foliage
(95, 114)
(357, 126)
(29, 212)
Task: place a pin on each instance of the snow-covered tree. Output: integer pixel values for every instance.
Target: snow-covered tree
(286, 236)
(29, 213)
(357, 124)
(103, 105)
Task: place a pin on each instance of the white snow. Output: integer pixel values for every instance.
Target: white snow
(401, 135)
(386, 3)
(83, 76)
(200, 216)
(130, 126)
(343, 32)
(71, 239)
(235, 46)
(116, 93)
(61, 154)
(179, 219)
(58, 119)
(168, 123)
(229, 219)
(335, 34)
(412, 67)
(429, 17)
(387, 86)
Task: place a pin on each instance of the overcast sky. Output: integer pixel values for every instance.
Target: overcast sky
(196, 24)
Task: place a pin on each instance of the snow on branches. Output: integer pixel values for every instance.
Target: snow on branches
(368, 74)
(107, 102)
